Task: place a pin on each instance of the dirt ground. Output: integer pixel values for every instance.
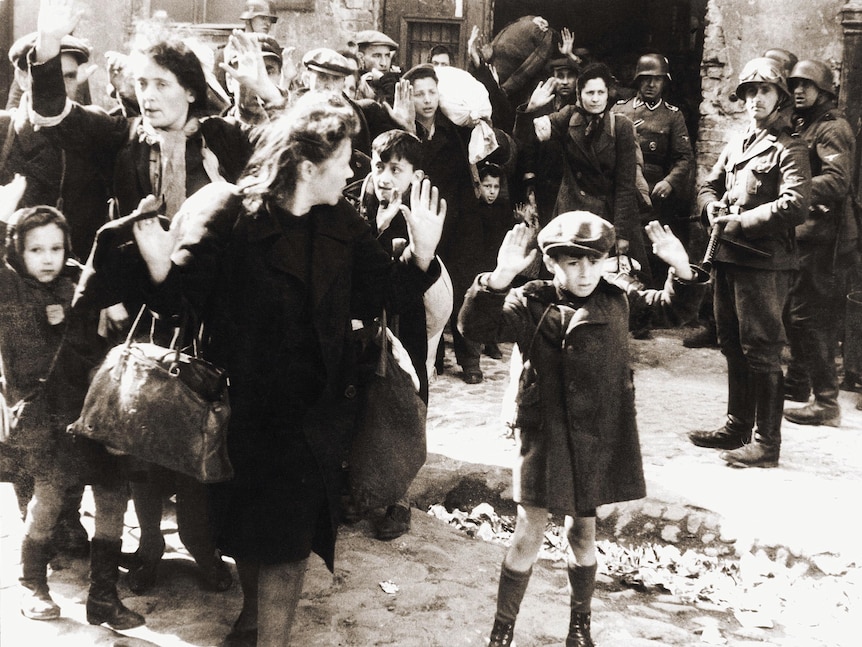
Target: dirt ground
(437, 586)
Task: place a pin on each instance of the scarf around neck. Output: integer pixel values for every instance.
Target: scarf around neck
(168, 162)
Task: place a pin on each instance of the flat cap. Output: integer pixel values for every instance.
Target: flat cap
(327, 61)
(577, 233)
(255, 8)
(563, 62)
(68, 45)
(374, 37)
(269, 47)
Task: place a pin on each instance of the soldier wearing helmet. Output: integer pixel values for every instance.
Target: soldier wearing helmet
(827, 250)
(666, 148)
(757, 193)
(258, 16)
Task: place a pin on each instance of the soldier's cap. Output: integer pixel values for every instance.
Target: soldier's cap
(326, 61)
(255, 8)
(577, 233)
(374, 37)
(68, 45)
(563, 62)
(269, 47)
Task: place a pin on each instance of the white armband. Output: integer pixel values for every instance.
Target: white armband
(39, 121)
(542, 126)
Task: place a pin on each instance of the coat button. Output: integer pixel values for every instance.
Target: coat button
(350, 392)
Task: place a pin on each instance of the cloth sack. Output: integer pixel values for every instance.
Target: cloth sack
(389, 446)
(160, 405)
(522, 49)
(464, 100)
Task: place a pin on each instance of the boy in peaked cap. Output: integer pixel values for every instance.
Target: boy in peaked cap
(575, 411)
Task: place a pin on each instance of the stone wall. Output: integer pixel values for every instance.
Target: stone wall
(330, 24)
(738, 30)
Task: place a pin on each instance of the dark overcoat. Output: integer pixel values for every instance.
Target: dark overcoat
(235, 267)
(575, 407)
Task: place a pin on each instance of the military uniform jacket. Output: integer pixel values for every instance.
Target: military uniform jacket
(831, 149)
(770, 183)
(664, 142)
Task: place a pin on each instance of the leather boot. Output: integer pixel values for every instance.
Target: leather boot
(501, 634)
(103, 604)
(820, 358)
(797, 381)
(764, 451)
(36, 602)
(582, 580)
(510, 592)
(736, 431)
(70, 537)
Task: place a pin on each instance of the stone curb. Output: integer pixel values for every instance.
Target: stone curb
(464, 485)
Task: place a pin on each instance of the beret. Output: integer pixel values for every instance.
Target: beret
(68, 45)
(577, 233)
(374, 37)
(327, 61)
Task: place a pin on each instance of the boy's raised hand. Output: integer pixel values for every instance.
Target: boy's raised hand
(425, 220)
(403, 110)
(10, 196)
(515, 255)
(669, 248)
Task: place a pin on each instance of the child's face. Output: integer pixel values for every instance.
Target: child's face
(44, 252)
(489, 189)
(391, 178)
(576, 274)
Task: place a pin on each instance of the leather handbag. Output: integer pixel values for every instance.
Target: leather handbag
(160, 405)
(389, 447)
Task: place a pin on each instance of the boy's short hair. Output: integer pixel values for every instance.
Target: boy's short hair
(439, 49)
(421, 71)
(398, 144)
(490, 170)
(577, 233)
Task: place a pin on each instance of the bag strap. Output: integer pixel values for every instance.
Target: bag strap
(536, 331)
(384, 346)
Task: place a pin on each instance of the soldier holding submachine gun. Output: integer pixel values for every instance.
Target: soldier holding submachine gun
(755, 195)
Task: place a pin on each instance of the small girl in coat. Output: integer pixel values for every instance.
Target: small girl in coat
(575, 418)
(47, 380)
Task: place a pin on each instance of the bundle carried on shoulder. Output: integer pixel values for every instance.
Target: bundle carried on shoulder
(521, 51)
(464, 100)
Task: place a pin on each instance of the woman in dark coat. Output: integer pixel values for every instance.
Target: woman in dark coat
(170, 151)
(278, 266)
(599, 153)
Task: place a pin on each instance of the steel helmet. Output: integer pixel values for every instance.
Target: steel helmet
(652, 65)
(787, 58)
(817, 72)
(762, 70)
(254, 8)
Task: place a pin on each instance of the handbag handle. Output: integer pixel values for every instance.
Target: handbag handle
(174, 346)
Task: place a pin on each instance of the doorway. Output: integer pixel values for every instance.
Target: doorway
(618, 32)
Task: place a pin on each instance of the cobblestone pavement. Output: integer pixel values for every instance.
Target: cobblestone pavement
(790, 534)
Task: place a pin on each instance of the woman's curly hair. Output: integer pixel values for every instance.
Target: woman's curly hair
(311, 130)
